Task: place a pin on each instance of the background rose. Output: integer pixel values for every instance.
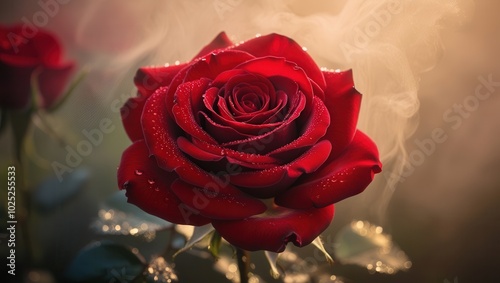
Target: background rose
(253, 138)
(23, 53)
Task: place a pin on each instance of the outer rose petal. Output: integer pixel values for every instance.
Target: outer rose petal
(148, 187)
(43, 48)
(52, 82)
(343, 177)
(220, 41)
(281, 46)
(273, 232)
(149, 79)
(343, 102)
(131, 117)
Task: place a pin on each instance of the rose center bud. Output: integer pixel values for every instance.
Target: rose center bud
(247, 99)
(250, 113)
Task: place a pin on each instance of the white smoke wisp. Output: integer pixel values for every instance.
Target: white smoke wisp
(388, 44)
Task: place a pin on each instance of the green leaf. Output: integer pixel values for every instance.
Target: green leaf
(52, 193)
(215, 242)
(105, 262)
(364, 244)
(70, 90)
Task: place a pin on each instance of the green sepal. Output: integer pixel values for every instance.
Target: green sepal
(215, 242)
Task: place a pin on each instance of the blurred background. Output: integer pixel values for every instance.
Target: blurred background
(424, 67)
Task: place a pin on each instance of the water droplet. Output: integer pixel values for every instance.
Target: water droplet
(157, 189)
(138, 172)
(151, 182)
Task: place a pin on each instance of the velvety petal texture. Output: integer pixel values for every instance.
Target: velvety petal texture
(149, 187)
(273, 231)
(253, 138)
(24, 60)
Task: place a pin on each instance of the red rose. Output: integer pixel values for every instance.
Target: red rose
(24, 54)
(253, 138)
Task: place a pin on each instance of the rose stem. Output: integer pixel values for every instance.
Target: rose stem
(243, 264)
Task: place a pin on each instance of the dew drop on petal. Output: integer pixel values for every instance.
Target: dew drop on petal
(151, 182)
(138, 172)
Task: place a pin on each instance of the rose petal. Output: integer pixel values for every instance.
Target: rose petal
(131, 113)
(282, 46)
(196, 152)
(279, 67)
(52, 83)
(187, 94)
(161, 133)
(343, 103)
(148, 187)
(211, 65)
(210, 152)
(42, 48)
(148, 79)
(217, 205)
(208, 66)
(49, 48)
(273, 232)
(314, 129)
(343, 177)
(219, 42)
(277, 137)
(270, 182)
